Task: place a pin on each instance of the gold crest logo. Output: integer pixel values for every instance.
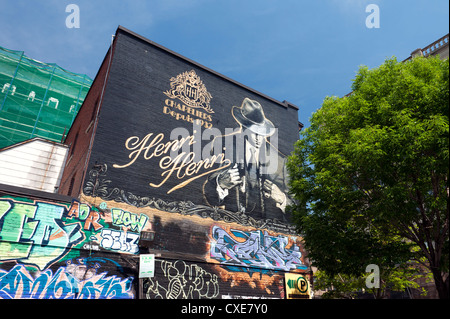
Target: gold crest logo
(189, 89)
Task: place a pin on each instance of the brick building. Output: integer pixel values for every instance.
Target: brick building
(169, 158)
(166, 157)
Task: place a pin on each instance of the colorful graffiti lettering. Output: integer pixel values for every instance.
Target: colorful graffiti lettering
(34, 233)
(254, 249)
(76, 281)
(83, 212)
(127, 219)
(120, 241)
(40, 233)
(184, 282)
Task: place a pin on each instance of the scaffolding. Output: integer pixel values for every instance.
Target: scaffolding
(37, 99)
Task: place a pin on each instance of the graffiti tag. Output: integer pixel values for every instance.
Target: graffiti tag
(184, 282)
(127, 219)
(84, 213)
(120, 241)
(65, 283)
(254, 249)
(35, 233)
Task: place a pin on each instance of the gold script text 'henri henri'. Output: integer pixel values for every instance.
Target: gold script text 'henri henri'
(180, 166)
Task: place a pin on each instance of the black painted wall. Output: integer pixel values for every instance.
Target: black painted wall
(135, 105)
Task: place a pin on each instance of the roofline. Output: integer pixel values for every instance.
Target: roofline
(21, 191)
(430, 49)
(51, 64)
(32, 140)
(108, 52)
(284, 103)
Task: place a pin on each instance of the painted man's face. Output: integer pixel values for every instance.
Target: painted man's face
(256, 140)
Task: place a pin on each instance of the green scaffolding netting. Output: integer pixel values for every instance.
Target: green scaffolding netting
(37, 99)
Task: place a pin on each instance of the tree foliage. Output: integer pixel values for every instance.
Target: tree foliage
(344, 286)
(370, 174)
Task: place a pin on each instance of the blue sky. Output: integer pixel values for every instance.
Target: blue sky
(295, 50)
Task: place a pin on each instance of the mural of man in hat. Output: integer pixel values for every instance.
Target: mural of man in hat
(256, 182)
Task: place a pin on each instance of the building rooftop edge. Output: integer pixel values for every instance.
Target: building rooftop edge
(32, 140)
(284, 103)
(21, 191)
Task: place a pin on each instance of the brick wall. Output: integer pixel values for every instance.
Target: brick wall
(80, 134)
(202, 250)
(55, 248)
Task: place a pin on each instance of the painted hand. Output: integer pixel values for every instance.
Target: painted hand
(229, 179)
(271, 190)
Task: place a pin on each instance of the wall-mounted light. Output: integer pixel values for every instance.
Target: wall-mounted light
(146, 238)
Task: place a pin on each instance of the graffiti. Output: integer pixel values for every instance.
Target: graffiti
(34, 233)
(91, 246)
(83, 212)
(40, 234)
(120, 240)
(127, 219)
(268, 284)
(254, 249)
(184, 282)
(76, 281)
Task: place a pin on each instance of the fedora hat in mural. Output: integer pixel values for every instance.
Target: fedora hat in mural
(251, 116)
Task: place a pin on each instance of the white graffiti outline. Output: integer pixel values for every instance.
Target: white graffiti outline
(258, 250)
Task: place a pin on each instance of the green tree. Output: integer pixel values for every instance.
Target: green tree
(370, 174)
(344, 286)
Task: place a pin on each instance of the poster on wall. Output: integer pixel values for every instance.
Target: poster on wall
(182, 139)
(146, 265)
